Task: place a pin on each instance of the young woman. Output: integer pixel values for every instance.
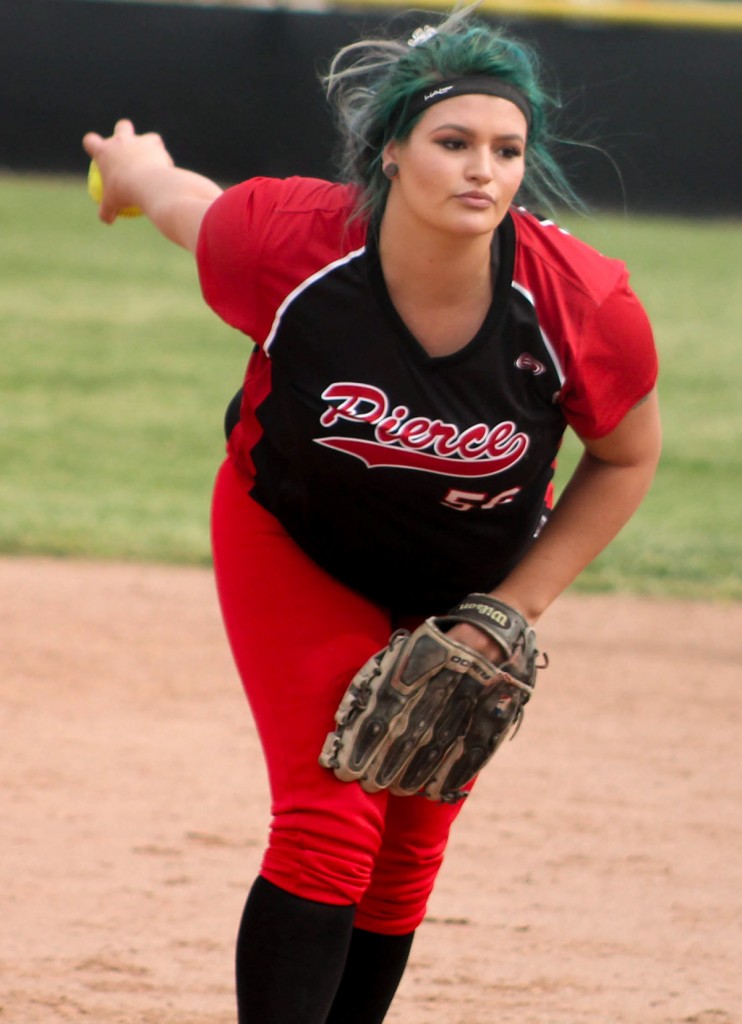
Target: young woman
(421, 344)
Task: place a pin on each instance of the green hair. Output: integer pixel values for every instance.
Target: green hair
(370, 84)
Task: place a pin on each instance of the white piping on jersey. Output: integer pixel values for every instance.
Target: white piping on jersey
(549, 347)
(301, 287)
(544, 222)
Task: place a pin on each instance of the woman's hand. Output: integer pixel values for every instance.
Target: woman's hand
(477, 640)
(137, 170)
(121, 159)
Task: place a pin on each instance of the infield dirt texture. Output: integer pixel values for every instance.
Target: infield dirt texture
(594, 878)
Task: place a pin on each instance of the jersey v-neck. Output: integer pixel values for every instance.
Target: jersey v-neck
(503, 258)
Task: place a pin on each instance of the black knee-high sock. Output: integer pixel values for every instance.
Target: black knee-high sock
(373, 971)
(290, 957)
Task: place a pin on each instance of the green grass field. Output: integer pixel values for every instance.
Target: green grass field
(115, 376)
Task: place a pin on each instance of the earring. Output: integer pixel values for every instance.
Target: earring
(390, 171)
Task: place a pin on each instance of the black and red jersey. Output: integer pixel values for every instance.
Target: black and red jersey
(414, 479)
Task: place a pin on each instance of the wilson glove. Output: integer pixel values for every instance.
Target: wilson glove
(426, 714)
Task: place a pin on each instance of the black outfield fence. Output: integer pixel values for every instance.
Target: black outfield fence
(235, 92)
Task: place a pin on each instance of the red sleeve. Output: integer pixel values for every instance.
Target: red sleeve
(228, 251)
(615, 365)
(262, 238)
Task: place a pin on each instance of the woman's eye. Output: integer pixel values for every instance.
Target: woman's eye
(452, 143)
(511, 152)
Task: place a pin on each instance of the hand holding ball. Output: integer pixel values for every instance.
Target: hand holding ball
(95, 190)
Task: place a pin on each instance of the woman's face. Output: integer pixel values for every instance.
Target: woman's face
(460, 167)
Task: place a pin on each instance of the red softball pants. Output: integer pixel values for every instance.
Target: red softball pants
(298, 636)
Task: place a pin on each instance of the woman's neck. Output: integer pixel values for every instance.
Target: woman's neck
(440, 286)
(437, 267)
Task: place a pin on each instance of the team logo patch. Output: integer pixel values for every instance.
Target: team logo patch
(526, 361)
(404, 441)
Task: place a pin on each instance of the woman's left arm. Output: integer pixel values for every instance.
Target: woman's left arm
(606, 488)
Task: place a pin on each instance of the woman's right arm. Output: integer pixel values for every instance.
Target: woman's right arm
(137, 170)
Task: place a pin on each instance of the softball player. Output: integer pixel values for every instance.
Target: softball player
(421, 343)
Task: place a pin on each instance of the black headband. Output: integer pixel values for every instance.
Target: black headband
(482, 84)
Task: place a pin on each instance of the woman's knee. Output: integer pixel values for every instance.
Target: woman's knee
(407, 865)
(327, 852)
(397, 896)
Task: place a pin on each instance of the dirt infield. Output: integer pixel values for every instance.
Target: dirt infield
(594, 878)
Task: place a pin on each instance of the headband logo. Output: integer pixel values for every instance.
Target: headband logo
(437, 92)
(485, 85)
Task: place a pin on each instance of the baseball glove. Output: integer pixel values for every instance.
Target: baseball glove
(425, 714)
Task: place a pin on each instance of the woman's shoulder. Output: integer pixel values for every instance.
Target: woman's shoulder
(549, 256)
(263, 237)
(274, 216)
(596, 327)
(293, 196)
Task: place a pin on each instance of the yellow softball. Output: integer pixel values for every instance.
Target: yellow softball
(95, 191)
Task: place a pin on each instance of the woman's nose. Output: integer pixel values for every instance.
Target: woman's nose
(480, 165)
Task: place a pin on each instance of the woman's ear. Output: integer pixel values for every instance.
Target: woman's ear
(389, 166)
(390, 153)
